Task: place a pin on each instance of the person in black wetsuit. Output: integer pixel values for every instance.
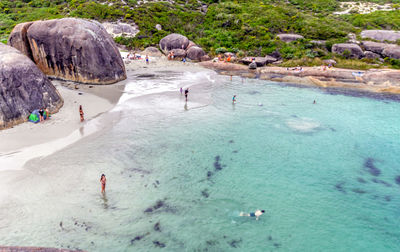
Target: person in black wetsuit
(186, 93)
(256, 214)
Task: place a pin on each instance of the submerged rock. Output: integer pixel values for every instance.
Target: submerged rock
(23, 88)
(72, 49)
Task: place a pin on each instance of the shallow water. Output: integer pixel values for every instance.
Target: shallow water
(178, 176)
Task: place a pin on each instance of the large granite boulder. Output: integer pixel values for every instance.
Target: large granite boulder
(374, 46)
(195, 53)
(392, 51)
(23, 88)
(381, 35)
(354, 50)
(191, 43)
(152, 51)
(253, 65)
(179, 54)
(289, 37)
(173, 41)
(71, 49)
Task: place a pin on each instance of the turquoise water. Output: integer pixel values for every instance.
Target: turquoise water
(178, 176)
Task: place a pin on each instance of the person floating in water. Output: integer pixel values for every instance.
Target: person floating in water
(186, 93)
(314, 102)
(81, 113)
(234, 99)
(256, 214)
(103, 183)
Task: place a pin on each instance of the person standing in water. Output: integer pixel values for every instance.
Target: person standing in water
(186, 93)
(256, 214)
(103, 183)
(314, 102)
(234, 99)
(181, 90)
(81, 113)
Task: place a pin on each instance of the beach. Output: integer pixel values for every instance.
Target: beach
(179, 174)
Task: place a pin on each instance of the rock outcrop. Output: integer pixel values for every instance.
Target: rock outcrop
(195, 53)
(354, 50)
(152, 51)
(381, 35)
(173, 41)
(121, 29)
(289, 37)
(392, 51)
(23, 88)
(71, 49)
(374, 46)
(371, 55)
(260, 61)
(253, 65)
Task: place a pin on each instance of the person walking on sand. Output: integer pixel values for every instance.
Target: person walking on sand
(103, 183)
(234, 99)
(186, 93)
(256, 214)
(81, 113)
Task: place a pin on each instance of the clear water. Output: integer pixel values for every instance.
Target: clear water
(325, 174)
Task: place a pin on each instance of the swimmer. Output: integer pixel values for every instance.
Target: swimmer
(103, 183)
(234, 99)
(314, 102)
(186, 93)
(256, 214)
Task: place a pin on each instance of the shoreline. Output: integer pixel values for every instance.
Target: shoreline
(373, 80)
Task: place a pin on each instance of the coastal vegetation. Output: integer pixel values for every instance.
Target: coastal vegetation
(241, 26)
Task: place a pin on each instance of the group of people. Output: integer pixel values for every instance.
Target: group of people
(43, 114)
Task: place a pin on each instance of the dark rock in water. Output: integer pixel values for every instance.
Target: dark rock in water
(159, 204)
(157, 227)
(173, 41)
(159, 244)
(211, 243)
(235, 243)
(231, 141)
(209, 174)
(269, 238)
(371, 168)
(217, 164)
(205, 193)
(235, 151)
(388, 198)
(148, 210)
(23, 88)
(397, 179)
(71, 49)
(339, 187)
(277, 245)
(378, 181)
(361, 180)
(138, 238)
(195, 53)
(359, 191)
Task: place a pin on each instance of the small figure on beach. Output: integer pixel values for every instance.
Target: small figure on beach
(181, 90)
(81, 113)
(103, 183)
(234, 99)
(184, 60)
(47, 113)
(41, 117)
(314, 102)
(186, 93)
(256, 214)
(147, 59)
